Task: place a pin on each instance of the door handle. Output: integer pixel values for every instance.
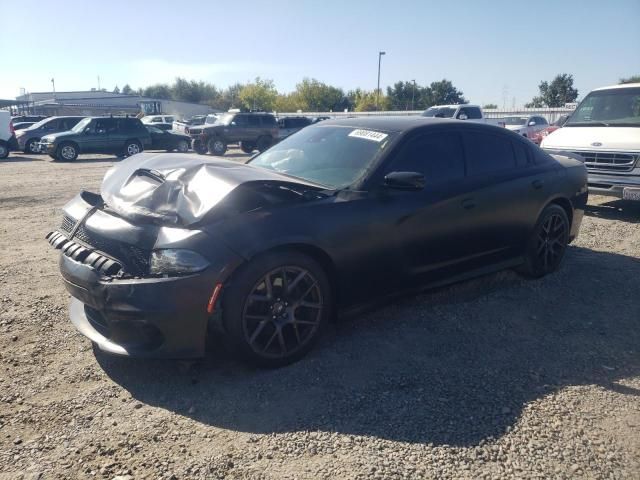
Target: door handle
(537, 184)
(468, 203)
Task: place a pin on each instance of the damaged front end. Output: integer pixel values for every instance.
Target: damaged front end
(142, 260)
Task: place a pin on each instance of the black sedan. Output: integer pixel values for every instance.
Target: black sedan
(339, 215)
(166, 140)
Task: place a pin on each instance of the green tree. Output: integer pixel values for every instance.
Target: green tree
(193, 91)
(127, 90)
(259, 95)
(116, 90)
(365, 101)
(556, 93)
(442, 93)
(632, 79)
(159, 90)
(490, 106)
(314, 95)
(404, 95)
(289, 102)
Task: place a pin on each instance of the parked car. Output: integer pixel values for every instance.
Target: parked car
(122, 136)
(7, 134)
(169, 141)
(162, 126)
(29, 138)
(252, 131)
(337, 216)
(537, 137)
(291, 125)
(472, 113)
(527, 126)
(604, 131)
(22, 125)
(151, 119)
(27, 118)
(183, 125)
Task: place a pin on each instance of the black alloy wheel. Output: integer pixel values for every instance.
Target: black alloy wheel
(548, 243)
(276, 308)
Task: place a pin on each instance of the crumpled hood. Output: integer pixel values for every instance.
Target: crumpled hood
(179, 189)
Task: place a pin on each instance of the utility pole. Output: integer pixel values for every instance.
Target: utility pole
(413, 94)
(53, 84)
(98, 82)
(378, 89)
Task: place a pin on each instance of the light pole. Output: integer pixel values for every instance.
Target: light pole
(413, 94)
(378, 90)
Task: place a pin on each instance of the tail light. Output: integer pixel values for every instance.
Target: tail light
(11, 129)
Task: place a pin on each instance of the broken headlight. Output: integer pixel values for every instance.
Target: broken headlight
(169, 261)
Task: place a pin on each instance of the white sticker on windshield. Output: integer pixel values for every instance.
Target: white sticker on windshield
(369, 135)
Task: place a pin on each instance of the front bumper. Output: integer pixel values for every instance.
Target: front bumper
(142, 317)
(612, 185)
(47, 147)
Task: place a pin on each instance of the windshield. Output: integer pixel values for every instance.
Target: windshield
(224, 119)
(443, 112)
(81, 125)
(211, 119)
(608, 108)
(39, 124)
(331, 156)
(515, 120)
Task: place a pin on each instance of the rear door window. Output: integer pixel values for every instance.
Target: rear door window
(521, 153)
(439, 157)
(240, 120)
(254, 121)
(488, 154)
(268, 120)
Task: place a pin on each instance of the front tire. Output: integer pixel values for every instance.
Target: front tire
(548, 243)
(199, 147)
(217, 146)
(246, 148)
(276, 307)
(67, 152)
(264, 143)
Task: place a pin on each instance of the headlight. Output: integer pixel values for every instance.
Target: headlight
(171, 261)
(46, 140)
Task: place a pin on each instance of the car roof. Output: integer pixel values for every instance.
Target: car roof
(455, 105)
(622, 85)
(390, 123)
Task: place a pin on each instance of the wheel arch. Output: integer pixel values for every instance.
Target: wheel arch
(313, 251)
(566, 205)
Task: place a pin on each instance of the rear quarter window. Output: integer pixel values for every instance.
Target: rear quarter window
(488, 154)
(268, 120)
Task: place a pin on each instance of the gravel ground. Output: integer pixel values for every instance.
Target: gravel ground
(499, 377)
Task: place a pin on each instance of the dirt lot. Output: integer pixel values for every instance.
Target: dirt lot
(499, 377)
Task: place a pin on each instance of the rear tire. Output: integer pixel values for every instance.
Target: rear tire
(131, 147)
(548, 242)
(217, 146)
(182, 146)
(275, 308)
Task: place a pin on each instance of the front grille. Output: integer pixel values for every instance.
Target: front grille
(195, 131)
(135, 258)
(67, 224)
(612, 161)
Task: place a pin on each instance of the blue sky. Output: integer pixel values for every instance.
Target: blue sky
(491, 50)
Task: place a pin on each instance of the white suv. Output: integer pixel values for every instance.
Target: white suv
(605, 132)
(7, 134)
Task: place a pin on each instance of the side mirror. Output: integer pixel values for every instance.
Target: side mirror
(462, 116)
(532, 123)
(405, 181)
